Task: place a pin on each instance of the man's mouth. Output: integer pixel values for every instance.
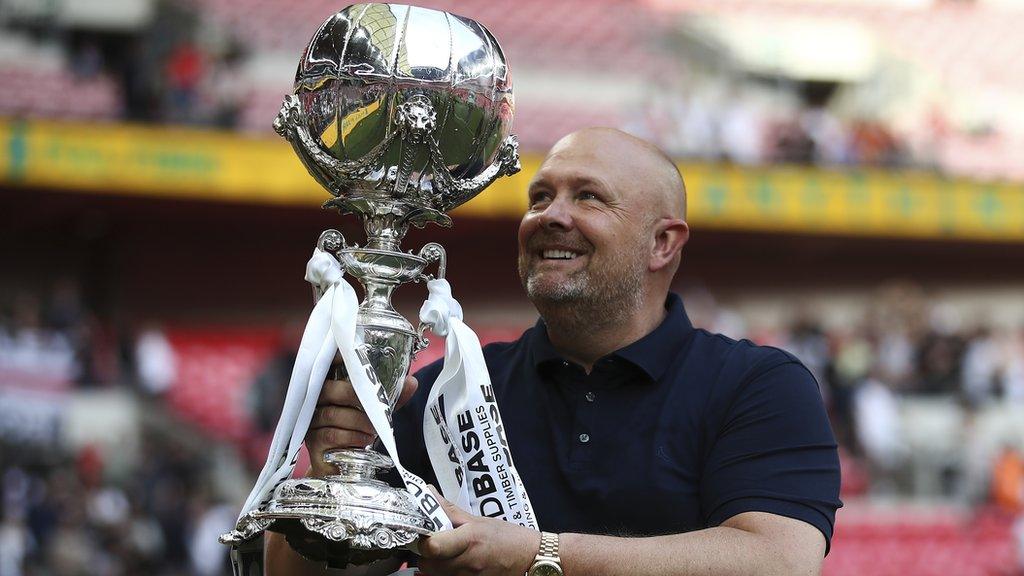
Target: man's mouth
(559, 254)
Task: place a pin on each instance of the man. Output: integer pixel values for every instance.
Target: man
(647, 446)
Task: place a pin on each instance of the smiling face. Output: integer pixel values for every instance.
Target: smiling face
(588, 232)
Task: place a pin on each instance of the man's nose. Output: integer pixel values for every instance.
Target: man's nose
(558, 214)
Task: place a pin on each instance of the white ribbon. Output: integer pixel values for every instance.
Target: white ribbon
(474, 465)
(311, 365)
(331, 328)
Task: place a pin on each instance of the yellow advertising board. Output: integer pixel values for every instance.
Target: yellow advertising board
(200, 164)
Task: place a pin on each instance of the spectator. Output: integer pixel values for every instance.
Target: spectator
(184, 71)
(743, 133)
(1008, 480)
(789, 143)
(228, 88)
(939, 363)
(828, 134)
(15, 539)
(266, 395)
(87, 60)
(155, 361)
(208, 556)
(980, 368)
(877, 419)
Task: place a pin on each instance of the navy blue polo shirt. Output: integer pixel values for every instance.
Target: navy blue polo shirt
(678, 431)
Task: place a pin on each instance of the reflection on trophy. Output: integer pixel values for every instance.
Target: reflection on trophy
(402, 114)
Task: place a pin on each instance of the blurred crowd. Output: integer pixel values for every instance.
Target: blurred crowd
(64, 510)
(797, 123)
(63, 516)
(914, 387)
(185, 69)
(52, 339)
(179, 69)
(188, 83)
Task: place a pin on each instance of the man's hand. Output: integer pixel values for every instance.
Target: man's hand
(339, 422)
(478, 546)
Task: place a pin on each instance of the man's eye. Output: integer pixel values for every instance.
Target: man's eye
(539, 198)
(585, 195)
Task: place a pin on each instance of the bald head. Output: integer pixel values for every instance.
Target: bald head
(603, 231)
(634, 162)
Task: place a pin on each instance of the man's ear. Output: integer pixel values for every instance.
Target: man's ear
(670, 235)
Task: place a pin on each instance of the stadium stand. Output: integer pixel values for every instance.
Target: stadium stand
(633, 41)
(215, 371)
(972, 47)
(86, 99)
(594, 44)
(897, 541)
(605, 35)
(37, 82)
(622, 38)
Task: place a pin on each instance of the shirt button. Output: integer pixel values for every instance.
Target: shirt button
(584, 438)
(590, 396)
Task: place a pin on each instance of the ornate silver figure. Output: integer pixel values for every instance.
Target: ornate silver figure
(402, 114)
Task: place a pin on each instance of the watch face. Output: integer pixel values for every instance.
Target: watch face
(545, 568)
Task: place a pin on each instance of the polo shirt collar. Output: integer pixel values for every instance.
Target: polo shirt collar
(653, 353)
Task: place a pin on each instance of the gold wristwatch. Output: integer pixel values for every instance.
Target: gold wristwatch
(547, 562)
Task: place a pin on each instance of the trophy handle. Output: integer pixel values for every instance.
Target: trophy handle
(330, 241)
(431, 252)
(453, 191)
(320, 164)
(325, 168)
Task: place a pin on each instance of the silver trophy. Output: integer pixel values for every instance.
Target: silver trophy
(402, 114)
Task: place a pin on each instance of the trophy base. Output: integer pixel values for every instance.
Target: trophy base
(343, 519)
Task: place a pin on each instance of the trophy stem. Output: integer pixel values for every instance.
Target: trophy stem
(384, 231)
(357, 464)
(377, 294)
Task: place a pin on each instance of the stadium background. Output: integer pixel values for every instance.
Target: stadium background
(855, 176)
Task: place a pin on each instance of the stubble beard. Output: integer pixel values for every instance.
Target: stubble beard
(587, 298)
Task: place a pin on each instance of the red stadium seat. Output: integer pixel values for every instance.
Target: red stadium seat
(912, 542)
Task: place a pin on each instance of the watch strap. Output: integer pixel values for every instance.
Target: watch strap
(548, 552)
(549, 546)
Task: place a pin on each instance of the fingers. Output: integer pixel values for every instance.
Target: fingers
(457, 515)
(408, 389)
(338, 392)
(339, 420)
(445, 545)
(346, 417)
(324, 439)
(338, 427)
(342, 393)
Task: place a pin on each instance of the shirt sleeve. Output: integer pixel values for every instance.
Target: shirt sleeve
(774, 452)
